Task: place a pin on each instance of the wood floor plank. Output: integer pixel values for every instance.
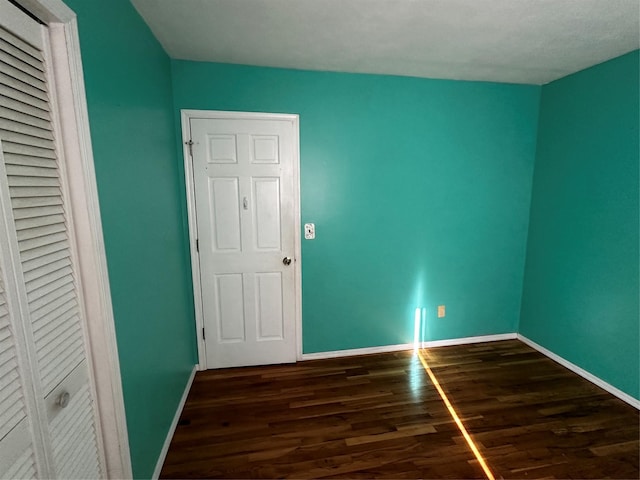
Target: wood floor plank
(379, 416)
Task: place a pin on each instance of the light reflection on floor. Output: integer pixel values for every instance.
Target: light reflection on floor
(416, 377)
(420, 354)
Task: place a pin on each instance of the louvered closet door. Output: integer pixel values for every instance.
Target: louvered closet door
(17, 455)
(45, 270)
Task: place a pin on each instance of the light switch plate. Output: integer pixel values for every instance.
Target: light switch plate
(309, 231)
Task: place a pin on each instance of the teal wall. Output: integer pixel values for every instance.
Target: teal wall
(581, 287)
(128, 83)
(419, 189)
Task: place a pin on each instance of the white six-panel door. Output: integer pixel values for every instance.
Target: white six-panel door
(245, 204)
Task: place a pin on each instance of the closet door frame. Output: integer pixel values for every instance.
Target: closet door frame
(78, 174)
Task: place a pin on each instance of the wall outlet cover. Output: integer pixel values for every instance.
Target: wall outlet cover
(309, 231)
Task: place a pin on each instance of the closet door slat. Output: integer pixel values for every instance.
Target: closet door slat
(20, 53)
(22, 45)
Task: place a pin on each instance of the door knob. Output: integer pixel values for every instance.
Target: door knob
(63, 399)
(286, 261)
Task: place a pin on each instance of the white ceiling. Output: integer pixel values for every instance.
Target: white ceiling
(515, 41)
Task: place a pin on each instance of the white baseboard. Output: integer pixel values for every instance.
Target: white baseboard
(174, 424)
(356, 351)
(406, 346)
(466, 340)
(583, 373)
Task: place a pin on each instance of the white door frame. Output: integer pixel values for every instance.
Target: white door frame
(88, 237)
(187, 115)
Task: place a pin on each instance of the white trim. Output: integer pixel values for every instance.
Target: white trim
(49, 11)
(55, 55)
(231, 115)
(357, 351)
(407, 346)
(297, 247)
(174, 424)
(186, 116)
(193, 235)
(83, 195)
(625, 397)
(466, 340)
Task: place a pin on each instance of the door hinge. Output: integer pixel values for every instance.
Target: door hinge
(197, 245)
(203, 337)
(190, 144)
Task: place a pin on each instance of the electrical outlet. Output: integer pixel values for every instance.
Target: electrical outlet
(309, 231)
(441, 311)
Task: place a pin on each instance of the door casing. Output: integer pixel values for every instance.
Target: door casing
(186, 116)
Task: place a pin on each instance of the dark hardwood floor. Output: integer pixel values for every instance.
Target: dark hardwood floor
(379, 416)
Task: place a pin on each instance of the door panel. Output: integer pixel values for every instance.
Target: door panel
(270, 316)
(222, 149)
(265, 149)
(230, 300)
(225, 213)
(245, 205)
(266, 207)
